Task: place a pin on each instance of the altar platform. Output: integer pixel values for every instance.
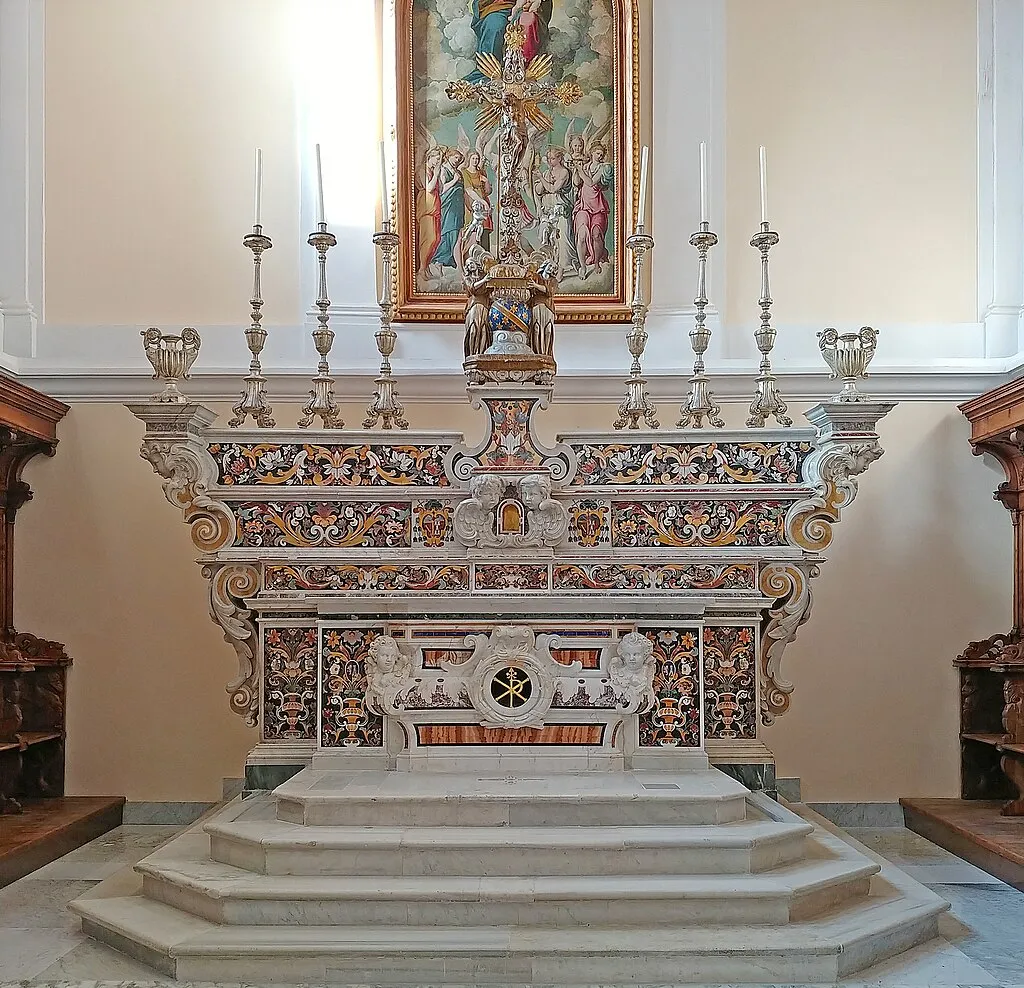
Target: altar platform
(409, 878)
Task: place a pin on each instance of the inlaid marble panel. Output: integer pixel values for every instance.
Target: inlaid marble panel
(655, 576)
(289, 683)
(323, 524)
(690, 464)
(730, 694)
(688, 524)
(510, 576)
(674, 721)
(409, 578)
(333, 465)
(344, 720)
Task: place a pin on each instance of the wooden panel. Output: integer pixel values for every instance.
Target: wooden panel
(435, 734)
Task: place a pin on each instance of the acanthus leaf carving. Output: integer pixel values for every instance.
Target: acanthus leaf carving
(789, 585)
(230, 584)
(188, 471)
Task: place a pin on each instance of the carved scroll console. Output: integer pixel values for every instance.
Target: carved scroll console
(617, 600)
(32, 671)
(992, 671)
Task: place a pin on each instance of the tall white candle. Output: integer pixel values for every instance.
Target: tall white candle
(385, 199)
(703, 182)
(319, 188)
(764, 188)
(644, 161)
(258, 205)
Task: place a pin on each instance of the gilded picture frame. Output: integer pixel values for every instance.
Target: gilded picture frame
(596, 143)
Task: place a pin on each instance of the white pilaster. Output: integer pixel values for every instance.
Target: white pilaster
(21, 174)
(1001, 175)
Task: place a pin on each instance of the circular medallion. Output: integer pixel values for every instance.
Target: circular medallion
(511, 687)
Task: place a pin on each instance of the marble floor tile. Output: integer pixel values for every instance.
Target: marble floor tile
(40, 905)
(123, 844)
(26, 952)
(993, 927)
(71, 870)
(900, 845)
(96, 961)
(957, 873)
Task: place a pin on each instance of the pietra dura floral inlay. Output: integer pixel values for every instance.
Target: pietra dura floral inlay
(730, 695)
(344, 720)
(405, 577)
(674, 720)
(289, 683)
(654, 576)
(311, 465)
(676, 464)
(510, 577)
(712, 524)
(337, 524)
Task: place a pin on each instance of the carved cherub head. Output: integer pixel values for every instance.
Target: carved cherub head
(384, 654)
(535, 489)
(487, 489)
(636, 651)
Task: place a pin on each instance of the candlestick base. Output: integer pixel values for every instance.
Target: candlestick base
(385, 407)
(253, 402)
(322, 405)
(767, 401)
(699, 405)
(767, 404)
(635, 406)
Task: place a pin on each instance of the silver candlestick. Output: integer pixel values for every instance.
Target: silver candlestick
(767, 402)
(254, 399)
(699, 403)
(385, 405)
(321, 398)
(637, 404)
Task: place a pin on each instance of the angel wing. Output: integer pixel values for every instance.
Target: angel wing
(465, 145)
(568, 133)
(599, 135)
(424, 144)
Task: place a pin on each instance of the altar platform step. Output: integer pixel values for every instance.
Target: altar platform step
(270, 847)
(823, 950)
(434, 799)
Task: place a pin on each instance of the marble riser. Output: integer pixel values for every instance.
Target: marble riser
(326, 811)
(506, 859)
(798, 892)
(818, 952)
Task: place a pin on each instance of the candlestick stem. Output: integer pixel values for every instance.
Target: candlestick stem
(637, 404)
(254, 399)
(385, 406)
(321, 398)
(699, 403)
(767, 402)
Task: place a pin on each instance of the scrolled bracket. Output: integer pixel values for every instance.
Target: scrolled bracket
(230, 584)
(789, 585)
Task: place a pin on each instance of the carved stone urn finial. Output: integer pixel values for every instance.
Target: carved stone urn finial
(172, 358)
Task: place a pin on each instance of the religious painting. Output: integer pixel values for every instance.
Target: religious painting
(576, 168)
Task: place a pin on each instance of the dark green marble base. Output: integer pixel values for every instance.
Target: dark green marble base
(756, 776)
(262, 778)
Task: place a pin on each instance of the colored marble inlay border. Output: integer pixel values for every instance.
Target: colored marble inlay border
(433, 657)
(589, 658)
(705, 524)
(323, 524)
(344, 720)
(686, 464)
(378, 579)
(289, 683)
(309, 465)
(470, 734)
(674, 720)
(730, 694)
(652, 576)
(506, 576)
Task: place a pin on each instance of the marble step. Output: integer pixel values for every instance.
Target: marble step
(271, 847)
(223, 894)
(819, 951)
(405, 799)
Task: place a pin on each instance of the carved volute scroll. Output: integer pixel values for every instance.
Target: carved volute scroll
(229, 586)
(173, 448)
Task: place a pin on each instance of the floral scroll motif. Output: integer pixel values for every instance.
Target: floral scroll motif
(684, 464)
(328, 524)
(309, 465)
(379, 579)
(654, 576)
(289, 684)
(506, 576)
(230, 585)
(730, 692)
(684, 524)
(674, 720)
(345, 721)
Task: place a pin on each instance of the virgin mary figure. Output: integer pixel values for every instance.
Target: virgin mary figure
(492, 17)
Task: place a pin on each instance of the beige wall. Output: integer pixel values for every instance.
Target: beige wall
(867, 109)
(920, 565)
